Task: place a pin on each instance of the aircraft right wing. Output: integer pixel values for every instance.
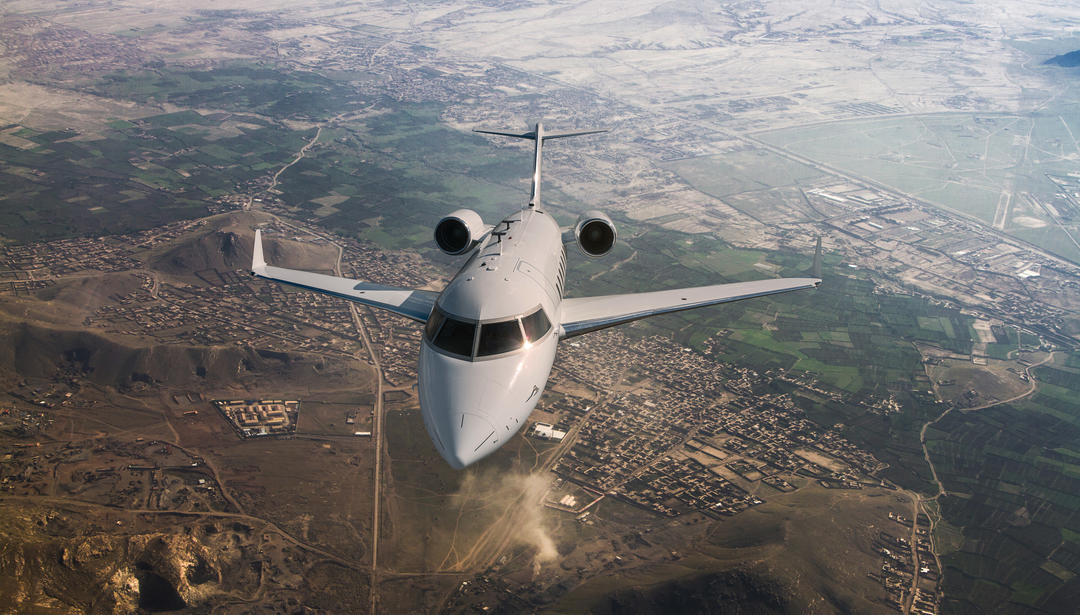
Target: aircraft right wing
(414, 304)
(586, 314)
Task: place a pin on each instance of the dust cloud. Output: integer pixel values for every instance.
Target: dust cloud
(512, 503)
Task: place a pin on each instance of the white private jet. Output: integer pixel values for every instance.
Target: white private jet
(490, 335)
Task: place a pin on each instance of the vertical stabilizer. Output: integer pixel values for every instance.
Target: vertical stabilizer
(534, 198)
(537, 134)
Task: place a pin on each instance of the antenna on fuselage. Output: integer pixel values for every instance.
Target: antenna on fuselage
(537, 134)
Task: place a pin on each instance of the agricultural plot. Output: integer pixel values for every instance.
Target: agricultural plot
(239, 87)
(173, 165)
(141, 173)
(742, 171)
(403, 161)
(1012, 473)
(854, 339)
(756, 182)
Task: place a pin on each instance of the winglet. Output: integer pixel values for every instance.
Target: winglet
(817, 261)
(257, 260)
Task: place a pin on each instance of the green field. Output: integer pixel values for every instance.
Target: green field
(1013, 477)
(144, 172)
(406, 162)
(171, 166)
(240, 87)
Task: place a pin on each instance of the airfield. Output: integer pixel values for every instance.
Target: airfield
(903, 438)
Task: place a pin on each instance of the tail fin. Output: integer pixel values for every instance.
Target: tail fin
(537, 134)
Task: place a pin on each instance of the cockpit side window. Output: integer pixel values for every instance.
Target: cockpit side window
(456, 336)
(536, 325)
(434, 322)
(499, 337)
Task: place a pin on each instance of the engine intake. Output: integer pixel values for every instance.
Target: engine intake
(459, 232)
(595, 233)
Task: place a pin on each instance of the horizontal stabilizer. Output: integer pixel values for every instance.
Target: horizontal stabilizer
(517, 135)
(531, 135)
(560, 135)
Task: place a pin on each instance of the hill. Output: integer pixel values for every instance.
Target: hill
(1067, 60)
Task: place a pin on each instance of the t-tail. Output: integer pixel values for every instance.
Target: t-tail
(537, 134)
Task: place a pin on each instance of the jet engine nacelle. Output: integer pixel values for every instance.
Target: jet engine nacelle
(459, 232)
(595, 233)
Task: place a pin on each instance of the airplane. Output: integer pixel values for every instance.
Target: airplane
(490, 336)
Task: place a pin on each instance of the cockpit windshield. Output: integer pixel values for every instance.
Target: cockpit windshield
(460, 337)
(499, 337)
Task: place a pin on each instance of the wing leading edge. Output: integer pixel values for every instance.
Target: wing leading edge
(586, 314)
(414, 304)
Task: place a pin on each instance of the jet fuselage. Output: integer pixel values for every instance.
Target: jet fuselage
(488, 349)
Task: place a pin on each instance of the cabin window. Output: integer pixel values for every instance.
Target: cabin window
(499, 337)
(536, 325)
(456, 336)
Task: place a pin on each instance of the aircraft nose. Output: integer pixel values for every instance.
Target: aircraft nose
(466, 438)
(470, 409)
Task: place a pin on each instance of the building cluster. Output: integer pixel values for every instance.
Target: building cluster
(229, 307)
(673, 485)
(67, 256)
(938, 254)
(23, 422)
(909, 569)
(37, 46)
(699, 438)
(236, 310)
(397, 340)
(12, 286)
(63, 257)
(252, 418)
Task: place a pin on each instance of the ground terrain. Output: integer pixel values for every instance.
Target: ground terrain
(903, 438)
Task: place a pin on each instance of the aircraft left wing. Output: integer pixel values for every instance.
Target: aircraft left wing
(414, 304)
(586, 314)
